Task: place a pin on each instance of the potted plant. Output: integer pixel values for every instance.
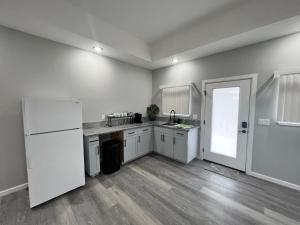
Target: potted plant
(152, 111)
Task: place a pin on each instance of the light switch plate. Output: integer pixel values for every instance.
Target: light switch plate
(195, 116)
(103, 116)
(264, 122)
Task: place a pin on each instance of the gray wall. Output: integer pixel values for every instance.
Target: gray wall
(31, 66)
(276, 150)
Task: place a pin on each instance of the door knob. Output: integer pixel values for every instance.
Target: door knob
(243, 131)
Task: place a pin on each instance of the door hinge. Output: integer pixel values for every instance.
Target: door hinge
(204, 92)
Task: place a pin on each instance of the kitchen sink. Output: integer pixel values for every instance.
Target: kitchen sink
(170, 124)
(177, 125)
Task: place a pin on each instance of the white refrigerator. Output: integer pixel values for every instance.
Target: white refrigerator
(54, 147)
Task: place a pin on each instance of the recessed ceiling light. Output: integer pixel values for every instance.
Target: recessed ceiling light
(98, 49)
(174, 60)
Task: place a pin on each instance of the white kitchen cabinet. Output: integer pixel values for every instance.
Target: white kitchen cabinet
(137, 142)
(158, 143)
(180, 146)
(163, 141)
(175, 144)
(92, 155)
(145, 144)
(168, 144)
(130, 146)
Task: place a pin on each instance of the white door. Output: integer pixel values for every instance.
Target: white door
(130, 148)
(227, 107)
(55, 164)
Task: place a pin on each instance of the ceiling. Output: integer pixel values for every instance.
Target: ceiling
(149, 33)
(151, 20)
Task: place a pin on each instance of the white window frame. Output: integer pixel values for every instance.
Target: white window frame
(277, 75)
(190, 99)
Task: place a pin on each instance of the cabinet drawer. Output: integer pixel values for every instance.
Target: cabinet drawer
(181, 134)
(128, 133)
(169, 131)
(145, 130)
(93, 138)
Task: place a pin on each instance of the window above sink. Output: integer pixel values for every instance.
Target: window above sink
(178, 98)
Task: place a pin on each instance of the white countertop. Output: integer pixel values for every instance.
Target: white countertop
(106, 130)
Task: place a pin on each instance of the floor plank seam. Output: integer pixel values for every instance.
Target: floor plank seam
(152, 188)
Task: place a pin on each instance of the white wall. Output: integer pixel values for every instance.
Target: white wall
(244, 17)
(276, 150)
(32, 66)
(49, 19)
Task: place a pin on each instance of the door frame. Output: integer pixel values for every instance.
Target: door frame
(253, 89)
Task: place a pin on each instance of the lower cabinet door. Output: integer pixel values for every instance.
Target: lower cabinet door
(158, 143)
(130, 148)
(167, 145)
(94, 158)
(144, 144)
(180, 149)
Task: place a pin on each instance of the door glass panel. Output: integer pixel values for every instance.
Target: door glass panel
(225, 114)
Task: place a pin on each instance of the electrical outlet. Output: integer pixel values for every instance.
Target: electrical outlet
(195, 116)
(103, 116)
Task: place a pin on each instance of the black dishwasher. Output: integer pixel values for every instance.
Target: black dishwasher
(111, 156)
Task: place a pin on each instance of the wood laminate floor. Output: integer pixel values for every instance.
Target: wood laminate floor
(154, 190)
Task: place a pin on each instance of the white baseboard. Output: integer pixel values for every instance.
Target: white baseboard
(199, 156)
(270, 179)
(275, 180)
(13, 189)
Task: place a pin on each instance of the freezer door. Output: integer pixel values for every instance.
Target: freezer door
(55, 164)
(47, 115)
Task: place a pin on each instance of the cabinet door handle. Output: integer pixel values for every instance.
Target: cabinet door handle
(131, 132)
(145, 129)
(125, 142)
(180, 134)
(174, 142)
(139, 139)
(163, 138)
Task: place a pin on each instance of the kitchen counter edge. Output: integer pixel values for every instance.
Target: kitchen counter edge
(108, 130)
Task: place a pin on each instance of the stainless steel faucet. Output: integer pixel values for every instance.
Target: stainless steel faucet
(173, 116)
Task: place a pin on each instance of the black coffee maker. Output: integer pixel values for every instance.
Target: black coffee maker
(137, 118)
